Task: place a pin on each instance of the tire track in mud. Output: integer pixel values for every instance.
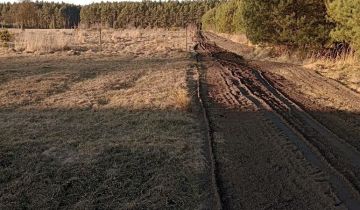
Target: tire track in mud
(257, 150)
(322, 148)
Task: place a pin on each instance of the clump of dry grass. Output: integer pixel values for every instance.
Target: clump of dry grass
(238, 38)
(345, 69)
(128, 34)
(81, 36)
(182, 99)
(44, 41)
(343, 59)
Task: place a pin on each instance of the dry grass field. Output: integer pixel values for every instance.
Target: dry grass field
(86, 129)
(134, 42)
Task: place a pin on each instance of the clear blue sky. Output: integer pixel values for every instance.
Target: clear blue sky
(81, 2)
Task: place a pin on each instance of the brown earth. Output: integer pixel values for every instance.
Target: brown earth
(284, 137)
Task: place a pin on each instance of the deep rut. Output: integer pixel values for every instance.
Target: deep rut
(246, 88)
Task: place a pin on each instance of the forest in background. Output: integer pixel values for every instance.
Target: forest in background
(144, 14)
(42, 15)
(308, 25)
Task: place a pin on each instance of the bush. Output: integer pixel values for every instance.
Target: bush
(292, 23)
(5, 36)
(346, 14)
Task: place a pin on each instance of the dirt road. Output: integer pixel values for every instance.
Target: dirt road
(283, 137)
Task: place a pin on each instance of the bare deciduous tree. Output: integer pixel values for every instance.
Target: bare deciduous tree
(26, 13)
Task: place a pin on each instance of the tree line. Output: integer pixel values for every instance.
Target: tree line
(39, 15)
(295, 24)
(110, 14)
(146, 14)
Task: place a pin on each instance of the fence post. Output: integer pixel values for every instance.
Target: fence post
(186, 37)
(100, 41)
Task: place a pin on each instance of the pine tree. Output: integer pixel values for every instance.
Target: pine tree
(238, 18)
(226, 18)
(293, 23)
(346, 14)
(208, 20)
(116, 14)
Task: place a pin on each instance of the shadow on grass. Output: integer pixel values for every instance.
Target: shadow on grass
(86, 67)
(112, 159)
(102, 158)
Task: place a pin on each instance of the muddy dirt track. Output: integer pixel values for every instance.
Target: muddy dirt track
(275, 146)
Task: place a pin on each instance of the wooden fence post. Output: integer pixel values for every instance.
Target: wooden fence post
(186, 37)
(100, 41)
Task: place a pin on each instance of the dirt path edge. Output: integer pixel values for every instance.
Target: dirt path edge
(216, 202)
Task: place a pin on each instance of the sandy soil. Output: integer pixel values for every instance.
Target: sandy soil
(317, 118)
